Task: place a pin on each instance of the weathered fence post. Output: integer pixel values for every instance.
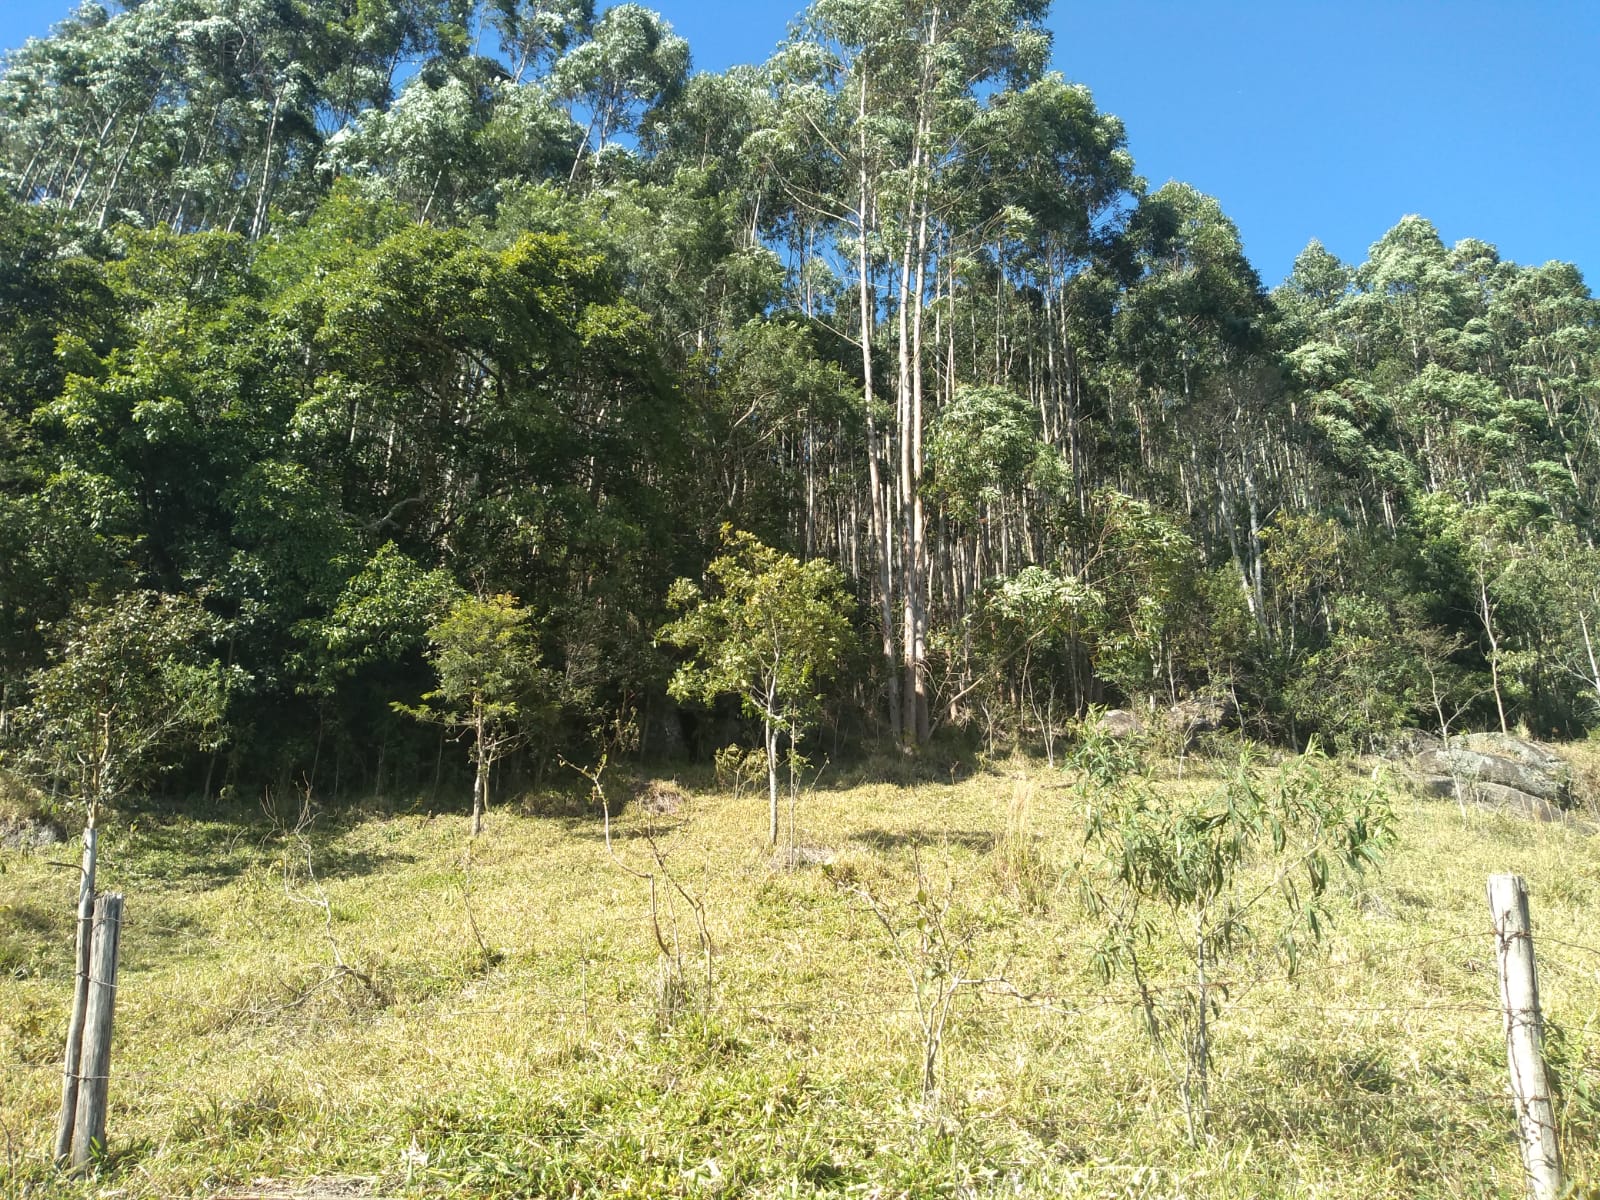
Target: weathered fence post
(80, 1000)
(1519, 998)
(94, 1070)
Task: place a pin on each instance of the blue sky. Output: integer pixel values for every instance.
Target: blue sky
(1305, 118)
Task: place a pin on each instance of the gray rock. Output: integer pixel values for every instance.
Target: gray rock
(1439, 786)
(1503, 745)
(1200, 714)
(1120, 723)
(1408, 743)
(29, 834)
(663, 735)
(1474, 766)
(1494, 795)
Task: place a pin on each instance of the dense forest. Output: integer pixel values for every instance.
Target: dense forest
(338, 337)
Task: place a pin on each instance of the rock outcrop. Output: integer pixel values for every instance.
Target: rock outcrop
(1496, 771)
(1120, 723)
(1200, 714)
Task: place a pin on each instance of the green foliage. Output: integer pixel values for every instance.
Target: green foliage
(633, 63)
(543, 316)
(980, 448)
(384, 612)
(1214, 877)
(488, 668)
(130, 684)
(492, 688)
(771, 630)
(1148, 570)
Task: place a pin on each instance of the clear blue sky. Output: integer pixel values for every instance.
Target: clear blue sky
(1305, 118)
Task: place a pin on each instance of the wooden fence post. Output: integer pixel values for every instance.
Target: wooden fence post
(94, 1069)
(80, 1000)
(1519, 998)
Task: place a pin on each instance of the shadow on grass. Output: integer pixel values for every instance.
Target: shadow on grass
(1355, 1103)
(30, 932)
(981, 840)
(594, 830)
(161, 843)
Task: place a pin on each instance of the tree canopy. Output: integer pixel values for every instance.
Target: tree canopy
(317, 317)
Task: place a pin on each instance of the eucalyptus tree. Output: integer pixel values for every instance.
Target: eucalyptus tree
(1042, 200)
(1444, 370)
(203, 114)
(989, 472)
(889, 96)
(457, 138)
(630, 67)
(1311, 297)
(1547, 329)
(1407, 296)
(771, 389)
(1206, 407)
(1024, 640)
(74, 106)
(535, 33)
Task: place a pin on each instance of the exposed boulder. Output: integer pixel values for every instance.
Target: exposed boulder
(1200, 714)
(1529, 754)
(1478, 767)
(1120, 723)
(1408, 743)
(1440, 787)
(28, 833)
(1497, 771)
(1494, 795)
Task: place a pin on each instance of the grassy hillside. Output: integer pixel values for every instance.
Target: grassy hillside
(315, 1006)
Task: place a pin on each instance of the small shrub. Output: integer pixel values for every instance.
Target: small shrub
(1211, 877)
(738, 769)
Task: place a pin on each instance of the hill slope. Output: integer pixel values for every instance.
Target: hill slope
(542, 1063)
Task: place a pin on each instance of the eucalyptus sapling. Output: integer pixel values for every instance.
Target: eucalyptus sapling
(1212, 877)
(934, 946)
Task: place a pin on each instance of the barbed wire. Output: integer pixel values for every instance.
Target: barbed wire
(625, 1013)
(1543, 939)
(1234, 990)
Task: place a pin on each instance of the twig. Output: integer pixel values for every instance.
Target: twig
(320, 900)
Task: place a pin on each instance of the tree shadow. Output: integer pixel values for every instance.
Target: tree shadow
(200, 853)
(30, 934)
(981, 840)
(592, 829)
(191, 855)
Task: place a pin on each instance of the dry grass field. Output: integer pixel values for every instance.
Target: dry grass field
(361, 1009)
